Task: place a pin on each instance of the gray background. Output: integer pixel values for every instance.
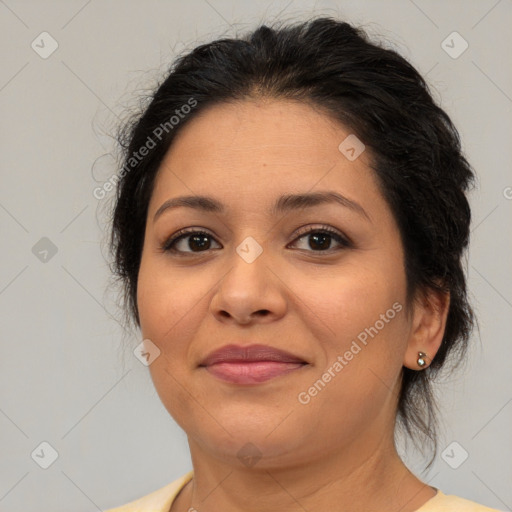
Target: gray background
(68, 375)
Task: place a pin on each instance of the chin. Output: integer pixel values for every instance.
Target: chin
(258, 451)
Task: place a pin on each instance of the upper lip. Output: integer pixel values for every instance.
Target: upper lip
(249, 353)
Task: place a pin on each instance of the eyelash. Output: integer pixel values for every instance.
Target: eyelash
(167, 246)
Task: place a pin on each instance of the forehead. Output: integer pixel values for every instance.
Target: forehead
(255, 150)
(260, 129)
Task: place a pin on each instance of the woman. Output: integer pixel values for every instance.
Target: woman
(290, 222)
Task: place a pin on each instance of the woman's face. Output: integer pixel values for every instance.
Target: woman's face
(336, 303)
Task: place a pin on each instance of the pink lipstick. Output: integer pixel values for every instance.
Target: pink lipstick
(251, 364)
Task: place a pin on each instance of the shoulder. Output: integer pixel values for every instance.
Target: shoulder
(449, 503)
(157, 501)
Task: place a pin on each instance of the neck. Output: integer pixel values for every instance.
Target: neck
(378, 480)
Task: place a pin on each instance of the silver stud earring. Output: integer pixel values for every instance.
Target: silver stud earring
(421, 359)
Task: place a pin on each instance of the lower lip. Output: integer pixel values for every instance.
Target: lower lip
(252, 372)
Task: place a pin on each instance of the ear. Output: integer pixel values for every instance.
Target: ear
(430, 311)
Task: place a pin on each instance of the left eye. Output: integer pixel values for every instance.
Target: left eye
(320, 240)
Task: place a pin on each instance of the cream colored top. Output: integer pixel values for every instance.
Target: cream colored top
(161, 501)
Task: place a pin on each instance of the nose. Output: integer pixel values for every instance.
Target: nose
(250, 292)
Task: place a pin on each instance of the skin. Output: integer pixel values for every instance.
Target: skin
(337, 451)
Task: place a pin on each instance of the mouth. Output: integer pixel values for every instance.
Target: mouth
(251, 364)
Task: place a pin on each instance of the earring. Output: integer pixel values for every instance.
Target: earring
(421, 359)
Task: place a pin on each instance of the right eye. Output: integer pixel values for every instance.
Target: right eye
(187, 240)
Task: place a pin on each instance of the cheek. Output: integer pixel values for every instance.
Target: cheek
(343, 304)
(169, 309)
(363, 352)
(166, 300)
(358, 315)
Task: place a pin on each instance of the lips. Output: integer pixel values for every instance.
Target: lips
(251, 353)
(250, 364)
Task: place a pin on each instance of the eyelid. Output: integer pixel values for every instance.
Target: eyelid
(339, 237)
(182, 233)
(323, 228)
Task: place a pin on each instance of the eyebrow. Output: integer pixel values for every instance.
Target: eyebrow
(285, 203)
